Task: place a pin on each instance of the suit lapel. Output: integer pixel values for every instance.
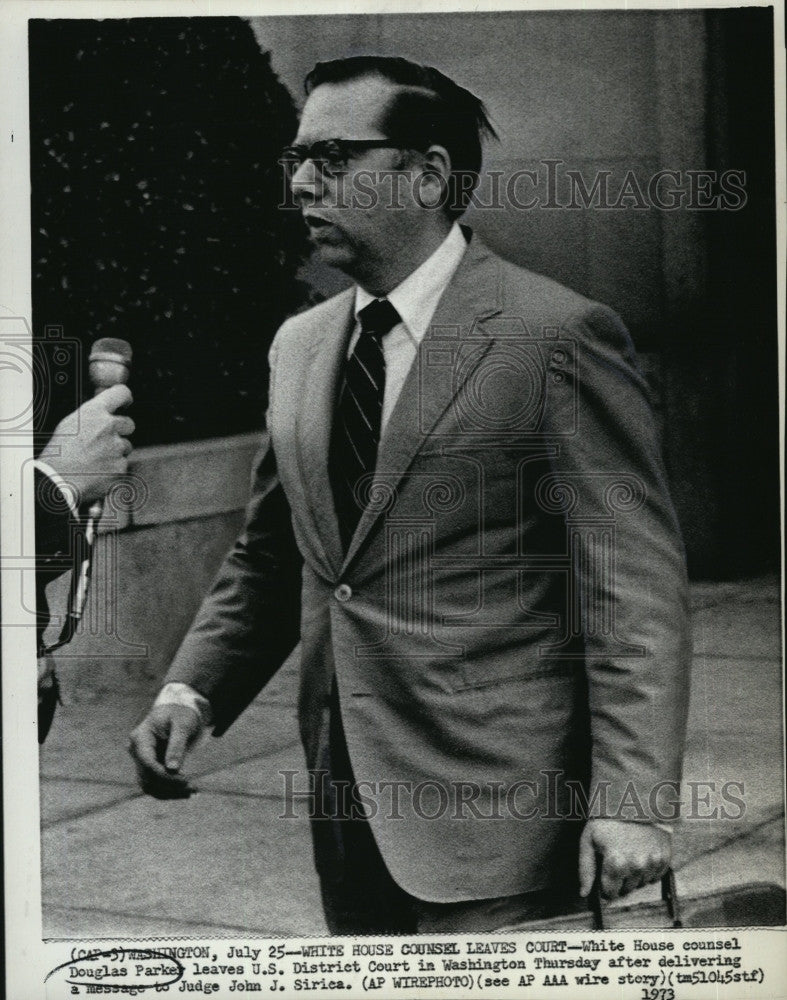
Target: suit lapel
(472, 297)
(315, 420)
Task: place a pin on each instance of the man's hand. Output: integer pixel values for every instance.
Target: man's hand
(626, 855)
(89, 448)
(159, 745)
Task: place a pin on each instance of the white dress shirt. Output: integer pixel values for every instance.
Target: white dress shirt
(415, 299)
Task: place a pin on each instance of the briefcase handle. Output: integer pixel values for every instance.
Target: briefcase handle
(668, 893)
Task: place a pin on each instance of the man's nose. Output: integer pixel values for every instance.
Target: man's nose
(306, 181)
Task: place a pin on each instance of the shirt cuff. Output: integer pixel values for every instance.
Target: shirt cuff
(177, 693)
(66, 491)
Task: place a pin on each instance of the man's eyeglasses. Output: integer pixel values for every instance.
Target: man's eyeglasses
(330, 156)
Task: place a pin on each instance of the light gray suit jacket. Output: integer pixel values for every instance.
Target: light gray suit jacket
(510, 621)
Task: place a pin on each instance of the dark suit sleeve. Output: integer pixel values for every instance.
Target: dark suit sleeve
(250, 621)
(54, 526)
(629, 567)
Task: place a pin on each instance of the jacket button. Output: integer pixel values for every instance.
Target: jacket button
(343, 593)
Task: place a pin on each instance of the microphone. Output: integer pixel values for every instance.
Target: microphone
(109, 364)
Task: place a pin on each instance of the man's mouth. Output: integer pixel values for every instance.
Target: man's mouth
(315, 221)
(322, 230)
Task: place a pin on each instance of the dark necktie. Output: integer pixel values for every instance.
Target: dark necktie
(356, 430)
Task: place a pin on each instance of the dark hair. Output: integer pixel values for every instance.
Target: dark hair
(428, 109)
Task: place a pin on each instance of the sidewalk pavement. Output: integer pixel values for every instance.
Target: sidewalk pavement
(118, 864)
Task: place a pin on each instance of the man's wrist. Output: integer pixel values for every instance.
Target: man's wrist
(178, 693)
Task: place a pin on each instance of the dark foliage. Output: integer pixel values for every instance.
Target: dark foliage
(155, 186)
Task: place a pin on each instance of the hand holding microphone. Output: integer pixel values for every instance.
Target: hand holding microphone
(89, 448)
(89, 452)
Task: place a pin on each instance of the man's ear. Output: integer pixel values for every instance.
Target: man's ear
(436, 170)
(438, 160)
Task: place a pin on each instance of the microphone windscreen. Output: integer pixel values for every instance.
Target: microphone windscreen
(109, 363)
(119, 349)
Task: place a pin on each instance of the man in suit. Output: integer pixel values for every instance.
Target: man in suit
(461, 512)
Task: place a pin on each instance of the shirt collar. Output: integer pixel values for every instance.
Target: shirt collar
(416, 298)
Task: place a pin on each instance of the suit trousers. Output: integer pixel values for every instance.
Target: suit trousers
(359, 895)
